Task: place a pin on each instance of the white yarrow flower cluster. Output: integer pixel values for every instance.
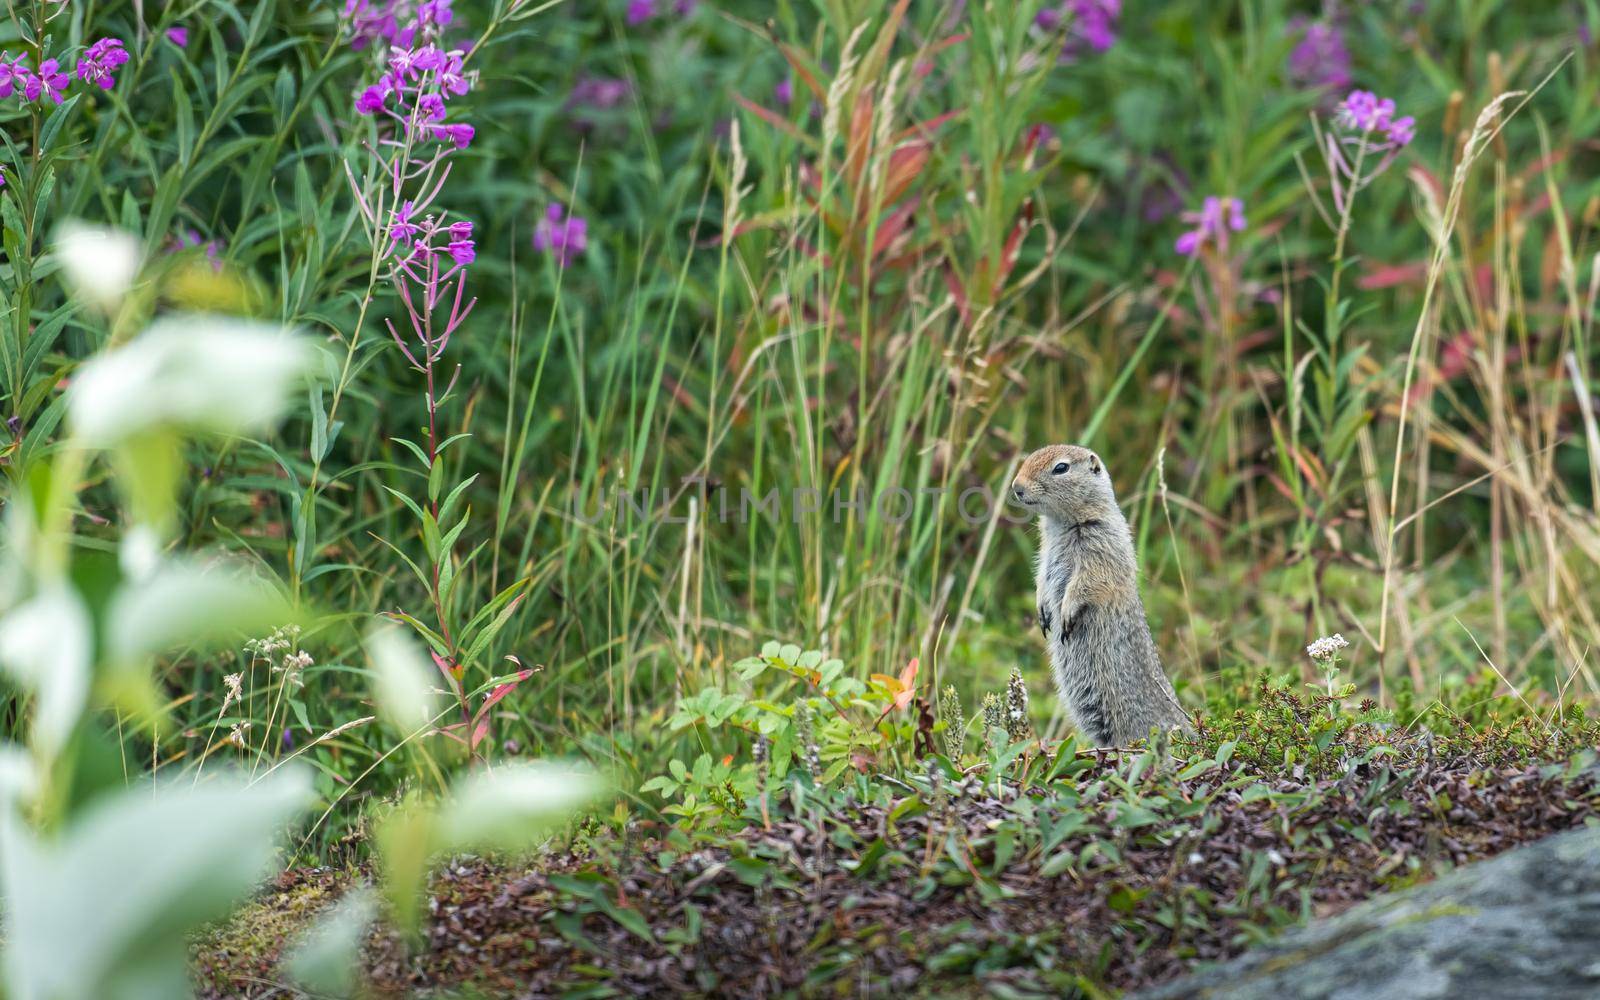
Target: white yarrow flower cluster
(1327, 647)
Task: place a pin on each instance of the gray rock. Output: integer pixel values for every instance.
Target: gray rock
(1524, 924)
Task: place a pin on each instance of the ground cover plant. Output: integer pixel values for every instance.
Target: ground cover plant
(426, 420)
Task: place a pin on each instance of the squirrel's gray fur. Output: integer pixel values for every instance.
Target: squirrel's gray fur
(1106, 666)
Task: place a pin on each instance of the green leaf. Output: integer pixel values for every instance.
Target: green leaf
(84, 923)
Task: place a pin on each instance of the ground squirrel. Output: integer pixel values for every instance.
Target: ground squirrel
(1105, 663)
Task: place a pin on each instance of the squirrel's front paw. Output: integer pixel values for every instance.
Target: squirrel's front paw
(1071, 613)
(1044, 621)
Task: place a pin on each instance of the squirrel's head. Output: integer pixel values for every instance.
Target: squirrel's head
(1064, 481)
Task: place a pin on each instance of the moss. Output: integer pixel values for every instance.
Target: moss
(248, 945)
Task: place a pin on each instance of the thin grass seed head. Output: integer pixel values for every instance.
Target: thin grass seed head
(736, 189)
(955, 723)
(1018, 727)
(810, 757)
(883, 136)
(994, 719)
(841, 87)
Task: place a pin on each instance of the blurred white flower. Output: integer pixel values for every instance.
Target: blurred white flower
(510, 807)
(403, 685)
(45, 646)
(140, 552)
(186, 601)
(200, 373)
(100, 264)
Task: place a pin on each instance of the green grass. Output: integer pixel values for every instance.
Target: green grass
(1250, 409)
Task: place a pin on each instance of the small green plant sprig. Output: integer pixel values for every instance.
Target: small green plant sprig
(820, 719)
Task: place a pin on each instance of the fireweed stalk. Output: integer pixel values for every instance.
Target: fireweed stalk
(421, 252)
(376, 26)
(1364, 140)
(1209, 243)
(41, 83)
(418, 248)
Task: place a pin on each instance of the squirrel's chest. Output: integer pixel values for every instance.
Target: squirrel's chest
(1059, 560)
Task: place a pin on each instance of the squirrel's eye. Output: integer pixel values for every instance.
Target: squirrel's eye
(1061, 468)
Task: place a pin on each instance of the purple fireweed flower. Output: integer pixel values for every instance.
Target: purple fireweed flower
(1365, 140)
(1320, 59)
(784, 91)
(14, 73)
(435, 12)
(558, 234)
(386, 21)
(598, 92)
(99, 62)
(431, 106)
(1363, 111)
(459, 134)
(428, 59)
(640, 11)
(462, 251)
(401, 228)
(189, 239)
(403, 62)
(453, 79)
(1091, 25)
(1211, 225)
(371, 100)
(1095, 21)
(288, 738)
(179, 36)
(49, 82)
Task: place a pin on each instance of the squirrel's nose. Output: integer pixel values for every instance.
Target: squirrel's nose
(1018, 491)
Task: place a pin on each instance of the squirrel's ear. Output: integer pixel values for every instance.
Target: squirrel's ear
(1094, 463)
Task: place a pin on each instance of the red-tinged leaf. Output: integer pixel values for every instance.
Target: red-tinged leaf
(679, 393)
(501, 690)
(478, 733)
(1310, 468)
(446, 732)
(772, 118)
(948, 43)
(450, 670)
(1283, 487)
(802, 69)
(905, 165)
(891, 27)
(1008, 255)
(1422, 175)
(925, 66)
(893, 227)
(925, 130)
(1390, 275)
(908, 685)
(957, 292)
(859, 137)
